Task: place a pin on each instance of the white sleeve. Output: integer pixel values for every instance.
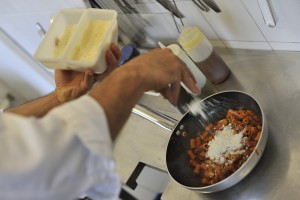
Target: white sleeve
(60, 156)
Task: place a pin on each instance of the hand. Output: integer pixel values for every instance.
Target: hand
(113, 56)
(163, 72)
(72, 84)
(158, 70)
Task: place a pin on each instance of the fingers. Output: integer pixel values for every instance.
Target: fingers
(112, 63)
(171, 93)
(165, 92)
(189, 80)
(113, 55)
(116, 51)
(111, 60)
(175, 91)
(187, 74)
(88, 80)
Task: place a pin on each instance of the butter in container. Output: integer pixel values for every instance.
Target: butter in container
(78, 39)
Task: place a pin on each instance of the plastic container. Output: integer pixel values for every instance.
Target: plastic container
(199, 76)
(47, 52)
(202, 53)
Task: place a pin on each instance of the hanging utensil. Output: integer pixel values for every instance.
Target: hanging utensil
(94, 4)
(127, 5)
(212, 4)
(171, 8)
(201, 5)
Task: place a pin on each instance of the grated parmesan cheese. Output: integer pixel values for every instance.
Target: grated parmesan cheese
(225, 143)
(91, 39)
(197, 107)
(62, 42)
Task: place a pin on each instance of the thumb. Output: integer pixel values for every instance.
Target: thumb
(88, 80)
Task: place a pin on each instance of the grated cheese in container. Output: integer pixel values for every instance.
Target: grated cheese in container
(78, 39)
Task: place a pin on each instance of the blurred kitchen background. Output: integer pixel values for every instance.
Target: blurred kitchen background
(242, 24)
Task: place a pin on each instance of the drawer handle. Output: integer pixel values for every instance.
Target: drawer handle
(267, 13)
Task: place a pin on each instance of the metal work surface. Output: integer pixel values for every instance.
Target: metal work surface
(272, 78)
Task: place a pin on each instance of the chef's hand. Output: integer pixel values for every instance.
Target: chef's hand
(113, 56)
(165, 73)
(158, 70)
(72, 84)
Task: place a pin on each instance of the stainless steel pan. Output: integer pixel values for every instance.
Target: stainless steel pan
(176, 154)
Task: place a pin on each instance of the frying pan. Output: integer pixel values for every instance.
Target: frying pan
(178, 145)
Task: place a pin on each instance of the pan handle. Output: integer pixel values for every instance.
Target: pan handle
(155, 117)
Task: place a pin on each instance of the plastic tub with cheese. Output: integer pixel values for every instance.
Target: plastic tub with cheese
(78, 39)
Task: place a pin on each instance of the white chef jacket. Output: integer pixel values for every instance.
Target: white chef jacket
(61, 156)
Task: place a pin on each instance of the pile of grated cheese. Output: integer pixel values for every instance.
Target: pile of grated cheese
(226, 142)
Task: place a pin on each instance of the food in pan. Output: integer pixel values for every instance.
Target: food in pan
(224, 146)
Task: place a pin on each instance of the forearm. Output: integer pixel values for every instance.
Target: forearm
(118, 94)
(158, 70)
(38, 107)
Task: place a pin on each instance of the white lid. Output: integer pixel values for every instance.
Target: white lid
(194, 42)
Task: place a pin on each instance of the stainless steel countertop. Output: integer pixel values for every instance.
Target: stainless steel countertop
(273, 79)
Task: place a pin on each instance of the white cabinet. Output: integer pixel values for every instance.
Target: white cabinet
(163, 26)
(22, 28)
(239, 25)
(235, 26)
(286, 34)
(20, 72)
(19, 40)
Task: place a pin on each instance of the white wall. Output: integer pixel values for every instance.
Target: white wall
(19, 40)
(20, 72)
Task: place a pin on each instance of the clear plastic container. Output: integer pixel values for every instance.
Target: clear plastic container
(54, 55)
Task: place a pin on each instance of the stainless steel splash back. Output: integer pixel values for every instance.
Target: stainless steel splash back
(145, 22)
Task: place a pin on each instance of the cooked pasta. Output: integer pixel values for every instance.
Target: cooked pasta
(223, 147)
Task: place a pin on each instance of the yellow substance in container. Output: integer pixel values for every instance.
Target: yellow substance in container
(60, 44)
(87, 49)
